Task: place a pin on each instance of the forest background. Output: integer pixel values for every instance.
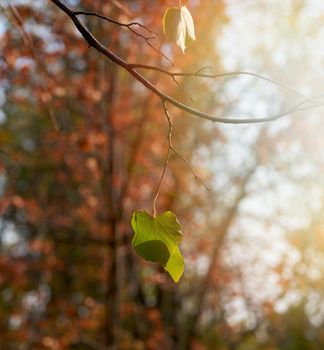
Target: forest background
(83, 146)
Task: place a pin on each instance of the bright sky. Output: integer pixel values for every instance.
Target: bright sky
(282, 40)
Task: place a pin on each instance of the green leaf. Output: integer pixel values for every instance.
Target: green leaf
(157, 239)
(178, 26)
(175, 265)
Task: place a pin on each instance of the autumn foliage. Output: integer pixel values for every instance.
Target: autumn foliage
(83, 146)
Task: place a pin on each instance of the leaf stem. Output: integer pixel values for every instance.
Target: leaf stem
(161, 179)
(171, 148)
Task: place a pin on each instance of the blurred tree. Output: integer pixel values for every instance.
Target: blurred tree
(83, 145)
(86, 145)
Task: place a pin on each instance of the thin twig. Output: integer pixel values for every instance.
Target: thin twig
(122, 7)
(199, 74)
(28, 41)
(19, 23)
(159, 52)
(121, 24)
(129, 26)
(182, 89)
(167, 114)
(162, 176)
(190, 168)
(204, 68)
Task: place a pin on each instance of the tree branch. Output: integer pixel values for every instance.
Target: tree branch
(28, 41)
(173, 149)
(130, 26)
(132, 70)
(126, 25)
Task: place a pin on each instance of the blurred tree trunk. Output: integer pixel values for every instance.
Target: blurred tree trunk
(109, 178)
(191, 331)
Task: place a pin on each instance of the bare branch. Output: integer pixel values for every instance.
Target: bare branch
(182, 89)
(173, 149)
(132, 69)
(126, 25)
(167, 157)
(130, 26)
(28, 41)
(159, 52)
(199, 74)
(167, 114)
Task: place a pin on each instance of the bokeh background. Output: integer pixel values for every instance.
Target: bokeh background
(83, 146)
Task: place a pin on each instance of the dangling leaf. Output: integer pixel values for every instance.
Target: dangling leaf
(175, 265)
(157, 239)
(171, 21)
(190, 27)
(178, 26)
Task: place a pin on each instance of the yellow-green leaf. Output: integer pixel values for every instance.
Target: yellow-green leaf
(178, 26)
(157, 239)
(175, 265)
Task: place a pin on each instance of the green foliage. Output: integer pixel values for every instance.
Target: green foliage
(157, 240)
(178, 26)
